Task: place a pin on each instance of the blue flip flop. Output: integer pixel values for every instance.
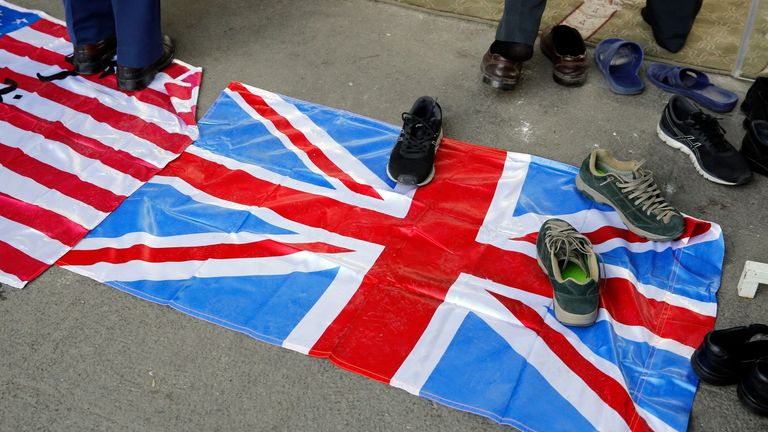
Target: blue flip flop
(693, 84)
(619, 61)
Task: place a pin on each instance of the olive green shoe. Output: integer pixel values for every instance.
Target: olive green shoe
(631, 190)
(568, 259)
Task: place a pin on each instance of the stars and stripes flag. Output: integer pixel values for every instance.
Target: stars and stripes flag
(280, 222)
(72, 148)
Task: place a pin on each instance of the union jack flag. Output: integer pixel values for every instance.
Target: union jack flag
(281, 223)
(72, 148)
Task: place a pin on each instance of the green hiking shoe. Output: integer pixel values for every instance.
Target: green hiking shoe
(632, 192)
(568, 259)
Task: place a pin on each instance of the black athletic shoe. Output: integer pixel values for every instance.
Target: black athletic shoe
(412, 161)
(685, 127)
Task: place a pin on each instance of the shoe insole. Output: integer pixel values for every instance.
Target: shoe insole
(575, 272)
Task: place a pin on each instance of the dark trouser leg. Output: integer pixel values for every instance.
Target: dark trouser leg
(139, 39)
(520, 21)
(671, 21)
(89, 21)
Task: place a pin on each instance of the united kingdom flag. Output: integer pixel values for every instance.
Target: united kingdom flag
(280, 222)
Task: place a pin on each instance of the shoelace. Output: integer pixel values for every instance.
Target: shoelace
(417, 136)
(562, 236)
(709, 126)
(644, 190)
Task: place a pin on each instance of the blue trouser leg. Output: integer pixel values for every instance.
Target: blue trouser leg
(520, 21)
(89, 21)
(139, 39)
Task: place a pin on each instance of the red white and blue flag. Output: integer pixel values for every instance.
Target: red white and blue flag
(280, 222)
(72, 148)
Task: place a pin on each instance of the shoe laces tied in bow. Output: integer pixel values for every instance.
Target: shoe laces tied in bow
(567, 243)
(710, 127)
(645, 193)
(417, 136)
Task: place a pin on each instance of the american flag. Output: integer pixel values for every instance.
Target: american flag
(72, 148)
(280, 223)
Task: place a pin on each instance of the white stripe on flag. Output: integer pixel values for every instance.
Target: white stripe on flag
(271, 217)
(644, 335)
(394, 202)
(337, 153)
(325, 310)
(28, 190)
(31, 241)
(37, 38)
(655, 293)
(397, 205)
(11, 280)
(85, 125)
(64, 158)
(122, 102)
(131, 271)
(184, 240)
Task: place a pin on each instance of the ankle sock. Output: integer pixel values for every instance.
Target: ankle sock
(514, 51)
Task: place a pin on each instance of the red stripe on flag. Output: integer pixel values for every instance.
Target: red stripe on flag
(300, 140)
(622, 300)
(172, 142)
(50, 28)
(53, 178)
(56, 131)
(46, 221)
(18, 263)
(175, 70)
(607, 388)
(260, 249)
(52, 58)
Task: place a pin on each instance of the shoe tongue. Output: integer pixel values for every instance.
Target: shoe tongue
(574, 257)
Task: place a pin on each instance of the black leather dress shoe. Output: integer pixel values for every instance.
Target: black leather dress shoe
(726, 355)
(754, 147)
(134, 79)
(755, 103)
(753, 388)
(94, 58)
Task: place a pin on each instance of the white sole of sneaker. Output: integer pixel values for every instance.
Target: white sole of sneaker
(668, 140)
(598, 197)
(567, 318)
(432, 173)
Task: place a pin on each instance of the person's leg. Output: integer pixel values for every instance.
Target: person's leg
(139, 39)
(671, 21)
(89, 21)
(518, 28)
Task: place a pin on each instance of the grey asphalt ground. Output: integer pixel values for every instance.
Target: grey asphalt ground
(79, 356)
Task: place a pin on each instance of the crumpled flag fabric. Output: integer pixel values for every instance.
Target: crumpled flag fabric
(281, 223)
(72, 148)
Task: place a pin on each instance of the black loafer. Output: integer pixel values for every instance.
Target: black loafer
(135, 79)
(753, 388)
(726, 355)
(94, 58)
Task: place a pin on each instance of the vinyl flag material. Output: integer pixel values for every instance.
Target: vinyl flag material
(72, 148)
(281, 223)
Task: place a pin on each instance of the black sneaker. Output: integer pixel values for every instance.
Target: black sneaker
(412, 161)
(685, 127)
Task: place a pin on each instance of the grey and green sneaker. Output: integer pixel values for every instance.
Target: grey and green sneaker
(568, 259)
(631, 190)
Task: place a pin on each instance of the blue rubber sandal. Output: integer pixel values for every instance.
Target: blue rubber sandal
(619, 61)
(693, 84)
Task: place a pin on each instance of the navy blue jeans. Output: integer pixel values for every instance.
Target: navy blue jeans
(521, 20)
(135, 23)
